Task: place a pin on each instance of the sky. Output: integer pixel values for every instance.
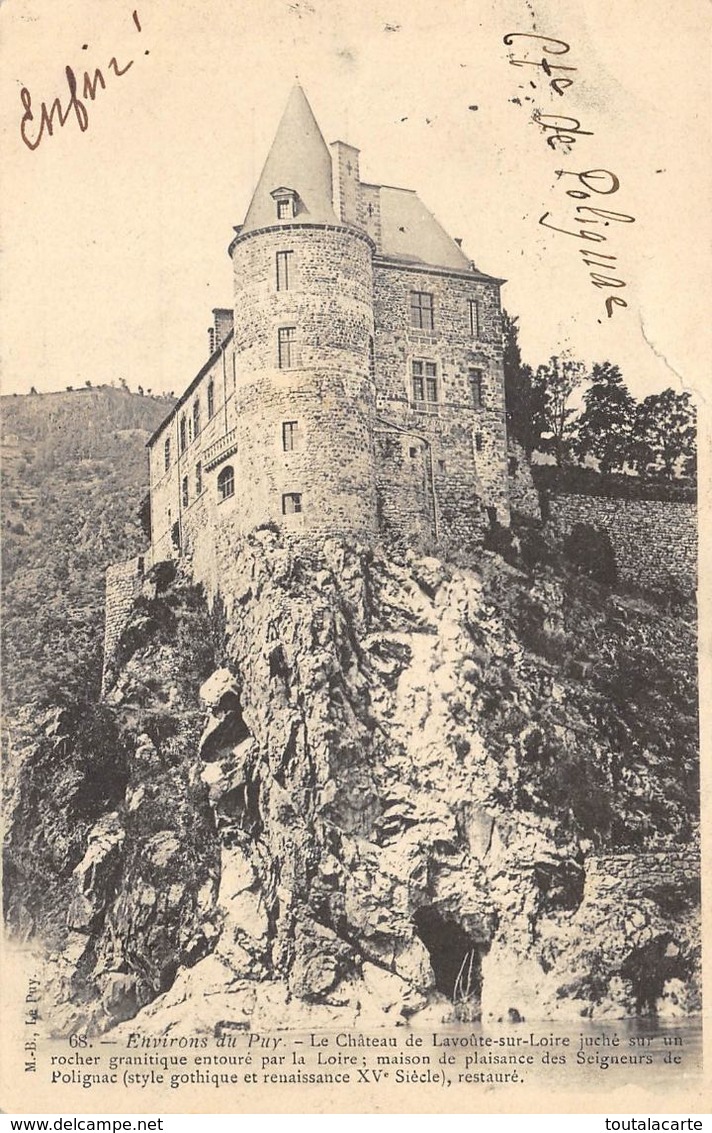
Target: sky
(114, 239)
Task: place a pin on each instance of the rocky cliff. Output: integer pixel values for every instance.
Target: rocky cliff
(366, 789)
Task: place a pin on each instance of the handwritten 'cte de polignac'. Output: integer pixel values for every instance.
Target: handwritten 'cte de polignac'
(562, 134)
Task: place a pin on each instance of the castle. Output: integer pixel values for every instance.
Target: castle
(355, 387)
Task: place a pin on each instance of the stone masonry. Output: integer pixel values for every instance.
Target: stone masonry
(642, 875)
(356, 386)
(654, 541)
(123, 581)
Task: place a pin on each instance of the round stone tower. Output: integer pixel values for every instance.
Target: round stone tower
(304, 387)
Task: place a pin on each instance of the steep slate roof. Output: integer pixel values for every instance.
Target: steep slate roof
(409, 231)
(298, 159)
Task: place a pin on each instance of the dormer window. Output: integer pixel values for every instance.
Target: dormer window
(285, 202)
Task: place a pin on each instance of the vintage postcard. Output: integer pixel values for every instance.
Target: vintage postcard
(354, 391)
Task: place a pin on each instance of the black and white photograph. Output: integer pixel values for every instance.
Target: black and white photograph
(354, 363)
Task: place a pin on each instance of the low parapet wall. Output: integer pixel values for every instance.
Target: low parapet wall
(654, 542)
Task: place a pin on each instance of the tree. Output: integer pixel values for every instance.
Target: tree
(605, 428)
(518, 390)
(553, 423)
(666, 434)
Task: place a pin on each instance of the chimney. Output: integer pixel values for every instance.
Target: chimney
(346, 181)
(223, 321)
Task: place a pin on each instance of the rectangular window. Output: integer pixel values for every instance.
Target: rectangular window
(421, 310)
(184, 492)
(425, 382)
(290, 435)
(291, 503)
(477, 388)
(182, 442)
(198, 478)
(284, 270)
(196, 417)
(474, 305)
(284, 210)
(286, 341)
(431, 382)
(479, 442)
(211, 399)
(167, 454)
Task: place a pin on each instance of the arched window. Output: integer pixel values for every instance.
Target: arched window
(226, 482)
(211, 399)
(196, 417)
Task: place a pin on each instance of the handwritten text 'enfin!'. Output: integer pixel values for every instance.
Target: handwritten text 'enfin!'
(80, 92)
(562, 133)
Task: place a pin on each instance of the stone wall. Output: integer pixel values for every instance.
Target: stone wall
(634, 877)
(404, 486)
(465, 433)
(523, 494)
(167, 484)
(123, 581)
(347, 387)
(655, 543)
(325, 386)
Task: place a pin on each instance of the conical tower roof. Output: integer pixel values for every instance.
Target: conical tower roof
(298, 160)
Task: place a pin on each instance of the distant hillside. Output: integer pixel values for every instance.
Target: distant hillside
(74, 472)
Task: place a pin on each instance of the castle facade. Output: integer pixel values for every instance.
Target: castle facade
(355, 387)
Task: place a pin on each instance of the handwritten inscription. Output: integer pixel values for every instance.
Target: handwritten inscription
(36, 125)
(562, 133)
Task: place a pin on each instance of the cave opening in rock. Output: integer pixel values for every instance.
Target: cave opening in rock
(454, 956)
(226, 730)
(649, 967)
